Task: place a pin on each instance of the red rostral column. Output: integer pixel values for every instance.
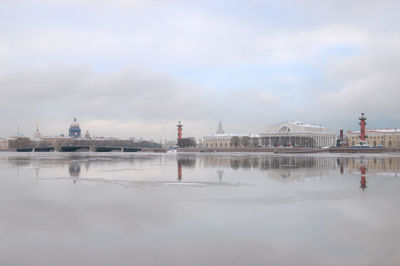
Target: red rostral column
(179, 126)
(362, 127)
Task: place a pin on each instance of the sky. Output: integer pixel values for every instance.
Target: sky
(135, 68)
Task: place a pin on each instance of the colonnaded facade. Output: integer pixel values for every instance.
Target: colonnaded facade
(297, 134)
(287, 134)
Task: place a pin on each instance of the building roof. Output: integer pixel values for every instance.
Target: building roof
(231, 135)
(381, 130)
(295, 127)
(74, 125)
(299, 123)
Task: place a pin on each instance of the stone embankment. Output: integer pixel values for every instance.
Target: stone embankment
(364, 150)
(295, 150)
(226, 150)
(274, 150)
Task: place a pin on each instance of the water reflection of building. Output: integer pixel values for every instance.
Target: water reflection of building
(234, 162)
(290, 168)
(220, 175)
(269, 162)
(278, 166)
(37, 175)
(74, 170)
(375, 165)
(383, 166)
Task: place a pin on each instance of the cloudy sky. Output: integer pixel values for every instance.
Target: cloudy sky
(135, 68)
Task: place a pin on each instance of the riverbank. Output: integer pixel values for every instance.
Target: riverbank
(293, 150)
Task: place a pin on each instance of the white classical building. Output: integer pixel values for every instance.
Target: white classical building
(384, 137)
(297, 134)
(222, 140)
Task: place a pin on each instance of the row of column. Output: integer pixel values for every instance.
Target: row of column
(322, 141)
(298, 141)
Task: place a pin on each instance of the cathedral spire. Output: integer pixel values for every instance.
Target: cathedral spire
(37, 135)
(220, 129)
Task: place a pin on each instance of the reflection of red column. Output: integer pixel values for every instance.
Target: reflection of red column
(179, 171)
(363, 181)
(341, 166)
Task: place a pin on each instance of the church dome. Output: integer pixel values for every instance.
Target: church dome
(75, 129)
(74, 124)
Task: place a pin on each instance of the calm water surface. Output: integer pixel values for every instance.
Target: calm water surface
(199, 209)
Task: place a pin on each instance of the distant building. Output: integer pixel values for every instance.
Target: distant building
(385, 138)
(87, 135)
(3, 144)
(222, 140)
(170, 143)
(297, 134)
(75, 130)
(13, 143)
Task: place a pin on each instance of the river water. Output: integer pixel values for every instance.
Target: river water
(199, 209)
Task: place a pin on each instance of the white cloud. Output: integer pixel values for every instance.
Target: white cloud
(120, 102)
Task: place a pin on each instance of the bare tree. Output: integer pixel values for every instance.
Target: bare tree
(245, 141)
(187, 142)
(256, 142)
(265, 141)
(235, 141)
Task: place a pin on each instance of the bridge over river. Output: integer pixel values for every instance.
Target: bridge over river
(80, 148)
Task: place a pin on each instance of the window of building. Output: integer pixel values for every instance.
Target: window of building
(374, 142)
(390, 143)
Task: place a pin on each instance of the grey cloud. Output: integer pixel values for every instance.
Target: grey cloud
(130, 97)
(369, 83)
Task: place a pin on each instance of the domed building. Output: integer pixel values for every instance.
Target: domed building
(75, 130)
(297, 134)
